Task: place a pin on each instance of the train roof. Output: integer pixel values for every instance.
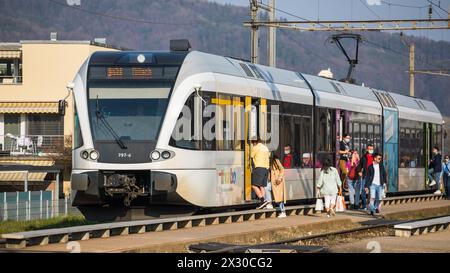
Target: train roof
(281, 84)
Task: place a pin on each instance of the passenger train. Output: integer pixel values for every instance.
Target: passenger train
(174, 128)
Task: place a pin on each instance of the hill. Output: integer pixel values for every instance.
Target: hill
(218, 29)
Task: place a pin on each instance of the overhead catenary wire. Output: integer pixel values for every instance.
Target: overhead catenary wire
(95, 13)
(438, 6)
(366, 40)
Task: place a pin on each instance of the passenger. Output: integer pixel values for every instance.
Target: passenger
(306, 161)
(353, 181)
(375, 181)
(278, 185)
(288, 159)
(344, 150)
(365, 162)
(435, 167)
(260, 173)
(445, 175)
(329, 184)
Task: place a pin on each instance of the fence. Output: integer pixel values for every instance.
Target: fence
(37, 145)
(32, 205)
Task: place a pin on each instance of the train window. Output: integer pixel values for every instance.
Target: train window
(411, 144)
(210, 121)
(364, 141)
(370, 136)
(295, 129)
(77, 137)
(325, 133)
(377, 141)
(356, 137)
(224, 122)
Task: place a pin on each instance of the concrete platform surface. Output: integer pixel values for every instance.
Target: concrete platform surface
(431, 242)
(159, 241)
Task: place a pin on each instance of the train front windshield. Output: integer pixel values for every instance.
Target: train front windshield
(127, 111)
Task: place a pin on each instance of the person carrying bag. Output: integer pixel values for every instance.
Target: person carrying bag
(328, 184)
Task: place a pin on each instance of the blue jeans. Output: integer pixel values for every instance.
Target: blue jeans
(437, 178)
(354, 190)
(268, 192)
(446, 179)
(362, 190)
(375, 196)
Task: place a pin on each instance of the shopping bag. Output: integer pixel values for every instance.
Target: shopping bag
(319, 204)
(340, 203)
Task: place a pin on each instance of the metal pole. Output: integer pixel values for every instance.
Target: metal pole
(17, 206)
(26, 182)
(5, 215)
(272, 40)
(411, 69)
(40, 205)
(46, 209)
(56, 197)
(254, 33)
(65, 206)
(29, 205)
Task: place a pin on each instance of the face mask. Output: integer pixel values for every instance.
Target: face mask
(286, 152)
(370, 151)
(347, 140)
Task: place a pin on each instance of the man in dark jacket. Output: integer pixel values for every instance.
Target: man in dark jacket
(435, 167)
(364, 164)
(375, 181)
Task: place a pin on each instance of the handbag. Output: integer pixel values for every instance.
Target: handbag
(319, 205)
(340, 203)
(352, 173)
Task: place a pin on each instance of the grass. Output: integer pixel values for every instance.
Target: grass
(56, 222)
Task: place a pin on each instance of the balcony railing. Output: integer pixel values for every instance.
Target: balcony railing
(9, 79)
(32, 145)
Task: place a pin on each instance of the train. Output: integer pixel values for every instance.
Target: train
(174, 128)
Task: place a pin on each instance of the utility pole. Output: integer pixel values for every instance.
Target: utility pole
(272, 38)
(411, 69)
(254, 34)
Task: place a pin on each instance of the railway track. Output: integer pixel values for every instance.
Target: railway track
(308, 242)
(105, 230)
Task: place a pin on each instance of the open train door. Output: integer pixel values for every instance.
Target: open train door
(390, 138)
(249, 132)
(255, 121)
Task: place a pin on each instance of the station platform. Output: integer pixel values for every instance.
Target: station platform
(248, 232)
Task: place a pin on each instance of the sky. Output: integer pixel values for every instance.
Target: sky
(361, 10)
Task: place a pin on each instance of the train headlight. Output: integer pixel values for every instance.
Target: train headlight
(155, 155)
(85, 154)
(165, 154)
(94, 155)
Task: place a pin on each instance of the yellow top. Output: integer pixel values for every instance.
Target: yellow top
(260, 155)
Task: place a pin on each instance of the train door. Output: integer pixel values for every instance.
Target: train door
(250, 131)
(256, 124)
(390, 147)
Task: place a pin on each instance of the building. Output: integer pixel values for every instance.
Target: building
(36, 109)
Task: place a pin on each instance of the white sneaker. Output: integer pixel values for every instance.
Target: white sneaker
(282, 215)
(269, 206)
(437, 192)
(432, 183)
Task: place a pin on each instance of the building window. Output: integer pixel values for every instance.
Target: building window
(10, 71)
(45, 124)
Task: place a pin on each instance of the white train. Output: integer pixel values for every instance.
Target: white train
(174, 128)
